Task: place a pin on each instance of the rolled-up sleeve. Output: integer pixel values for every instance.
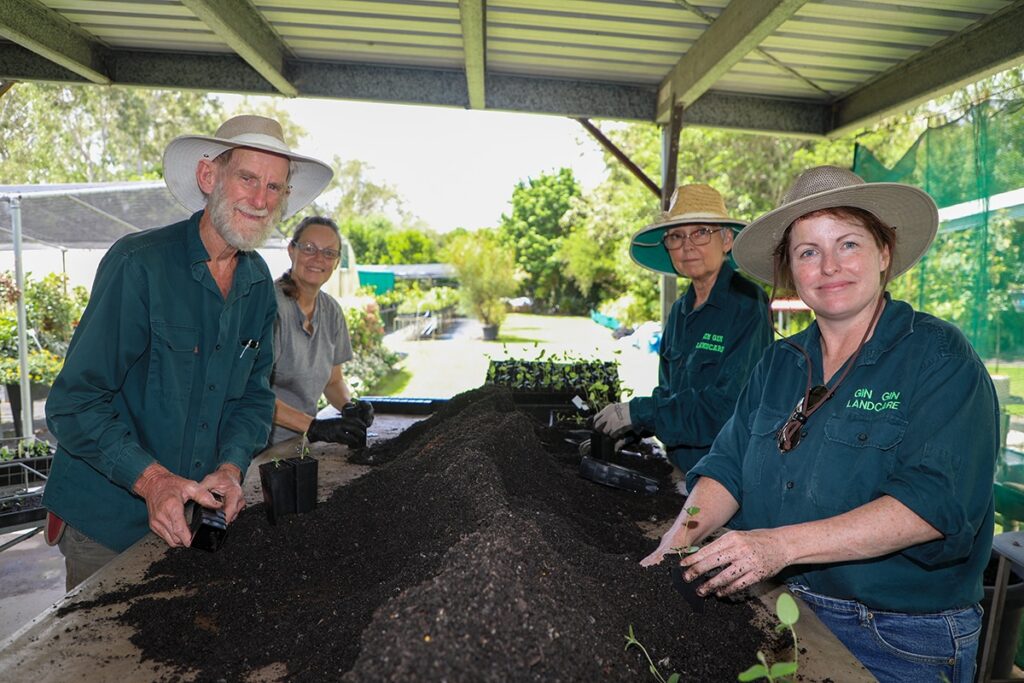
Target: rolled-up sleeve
(947, 457)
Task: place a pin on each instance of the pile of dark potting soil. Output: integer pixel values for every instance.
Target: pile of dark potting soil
(472, 554)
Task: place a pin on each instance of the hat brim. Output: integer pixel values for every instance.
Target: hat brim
(907, 209)
(308, 179)
(646, 249)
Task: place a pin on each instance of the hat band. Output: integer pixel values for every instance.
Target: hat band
(259, 139)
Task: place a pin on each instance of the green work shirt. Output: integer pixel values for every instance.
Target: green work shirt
(161, 369)
(915, 419)
(706, 356)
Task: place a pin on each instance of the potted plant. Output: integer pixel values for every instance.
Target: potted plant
(24, 466)
(277, 479)
(486, 273)
(306, 470)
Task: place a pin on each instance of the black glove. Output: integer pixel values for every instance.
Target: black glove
(361, 410)
(344, 430)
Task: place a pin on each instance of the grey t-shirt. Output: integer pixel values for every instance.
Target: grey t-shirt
(303, 361)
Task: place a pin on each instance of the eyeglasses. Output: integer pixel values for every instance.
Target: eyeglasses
(698, 238)
(310, 249)
(789, 434)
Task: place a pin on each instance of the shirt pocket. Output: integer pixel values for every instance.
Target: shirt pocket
(172, 358)
(858, 454)
(763, 446)
(241, 367)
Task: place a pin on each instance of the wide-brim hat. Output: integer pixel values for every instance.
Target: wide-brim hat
(909, 211)
(308, 179)
(701, 204)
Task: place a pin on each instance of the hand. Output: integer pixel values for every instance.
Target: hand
(344, 430)
(226, 482)
(613, 419)
(679, 535)
(361, 410)
(746, 557)
(165, 494)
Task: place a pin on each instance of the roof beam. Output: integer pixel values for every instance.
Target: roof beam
(992, 45)
(471, 13)
(740, 28)
(42, 30)
(759, 115)
(245, 31)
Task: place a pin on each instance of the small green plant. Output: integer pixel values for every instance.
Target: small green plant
(631, 641)
(683, 550)
(788, 613)
(302, 448)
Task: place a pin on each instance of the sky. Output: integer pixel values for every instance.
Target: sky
(452, 167)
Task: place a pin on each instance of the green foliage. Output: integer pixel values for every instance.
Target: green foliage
(631, 641)
(73, 134)
(788, 614)
(597, 381)
(435, 299)
(50, 313)
(371, 360)
(486, 272)
(534, 232)
(25, 448)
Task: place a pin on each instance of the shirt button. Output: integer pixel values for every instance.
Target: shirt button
(203, 425)
(863, 436)
(198, 464)
(217, 347)
(212, 387)
(790, 484)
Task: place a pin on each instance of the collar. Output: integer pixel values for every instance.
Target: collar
(895, 323)
(719, 296)
(246, 272)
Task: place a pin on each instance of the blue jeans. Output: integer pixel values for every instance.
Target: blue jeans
(895, 646)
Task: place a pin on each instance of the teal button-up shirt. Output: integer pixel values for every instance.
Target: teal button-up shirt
(706, 356)
(161, 368)
(915, 419)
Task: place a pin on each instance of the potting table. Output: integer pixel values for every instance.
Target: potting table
(91, 645)
(1010, 549)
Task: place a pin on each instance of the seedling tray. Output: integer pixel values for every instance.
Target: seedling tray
(616, 476)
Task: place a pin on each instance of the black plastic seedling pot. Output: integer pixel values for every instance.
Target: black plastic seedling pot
(209, 528)
(602, 446)
(689, 590)
(306, 470)
(278, 481)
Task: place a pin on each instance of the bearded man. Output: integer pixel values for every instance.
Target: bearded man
(164, 396)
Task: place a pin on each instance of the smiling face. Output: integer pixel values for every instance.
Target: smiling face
(837, 265)
(247, 195)
(313, 271)
(700, 263)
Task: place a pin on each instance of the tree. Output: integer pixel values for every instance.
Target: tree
(534, 232)
(486, 271)
(77, 134)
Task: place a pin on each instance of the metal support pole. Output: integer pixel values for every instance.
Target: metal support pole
(19, 278)
(669, 163)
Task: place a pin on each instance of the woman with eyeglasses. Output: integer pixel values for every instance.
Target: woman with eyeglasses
(859, 462)
(311, 343)
(713, 337)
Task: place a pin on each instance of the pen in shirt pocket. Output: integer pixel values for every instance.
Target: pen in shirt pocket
(248, 344)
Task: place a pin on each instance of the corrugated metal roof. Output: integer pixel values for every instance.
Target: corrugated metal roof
(796, 66)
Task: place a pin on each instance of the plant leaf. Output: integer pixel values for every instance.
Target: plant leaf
(780, 669)
(753, 673)
(674, 678)
(787, 610)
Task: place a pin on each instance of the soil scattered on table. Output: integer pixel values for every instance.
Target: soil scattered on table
(472, 551)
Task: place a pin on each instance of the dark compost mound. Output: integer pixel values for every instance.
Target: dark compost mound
(473, 553)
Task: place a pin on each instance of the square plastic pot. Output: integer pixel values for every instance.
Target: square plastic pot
(306, 471)
(278, 481)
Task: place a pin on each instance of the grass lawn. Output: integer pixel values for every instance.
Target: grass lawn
(441, 368)
(1016, 374)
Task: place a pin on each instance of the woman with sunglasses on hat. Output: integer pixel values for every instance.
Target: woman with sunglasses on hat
(858, 464)
(714, 334)
(311, 343)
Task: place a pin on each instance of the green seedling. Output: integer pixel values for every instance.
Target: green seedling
(788, 613)
(683, 550)
(303, 447)
(631, 641)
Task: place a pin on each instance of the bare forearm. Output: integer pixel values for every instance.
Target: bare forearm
(337, 393)
(716, 507)
(877, 528)
(291, 418)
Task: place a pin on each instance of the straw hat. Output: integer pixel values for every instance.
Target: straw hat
(690, 204)
(308, 179)
(906, 209)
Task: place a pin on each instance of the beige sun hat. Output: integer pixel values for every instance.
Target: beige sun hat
(690, 204)
(909, 211)
(308, 179)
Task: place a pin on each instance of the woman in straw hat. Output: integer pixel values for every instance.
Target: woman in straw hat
(858, 464)
(714, 335)
(311, 343)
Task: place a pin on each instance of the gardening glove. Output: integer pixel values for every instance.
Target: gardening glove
(361, 410)
(613, 419)
(344, 430)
